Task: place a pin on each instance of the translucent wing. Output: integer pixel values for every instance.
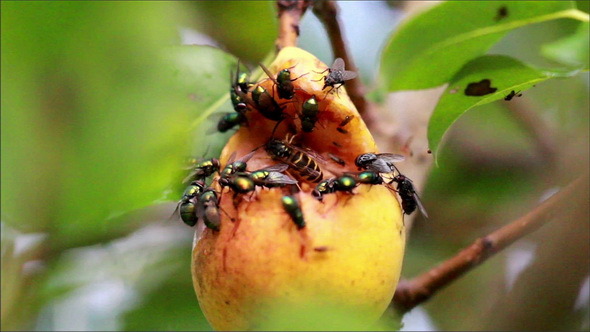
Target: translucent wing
(420, 206)
(380, 166)
(232, 157)
(280, 178)
(348, 75)
(246, 157)
(268, 73)
(391, 157)
(276, 168)
(338, 65)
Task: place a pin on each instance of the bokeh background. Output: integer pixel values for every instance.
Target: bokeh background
(101, 105)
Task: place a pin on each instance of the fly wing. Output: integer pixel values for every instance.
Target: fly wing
(268, 73)
(391, 157)
(338, 65)
(348, 75)
(380, 166)
(276, 168)
(420, 206)
(279, 178)
(231, 159)
(247, 157)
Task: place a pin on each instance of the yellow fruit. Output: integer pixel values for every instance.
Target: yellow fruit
(350, 253)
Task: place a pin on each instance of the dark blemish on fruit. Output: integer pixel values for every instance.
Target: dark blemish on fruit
(429, 151)
(480, 88)
(342, 130)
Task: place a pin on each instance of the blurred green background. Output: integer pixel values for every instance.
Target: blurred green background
(101, 105)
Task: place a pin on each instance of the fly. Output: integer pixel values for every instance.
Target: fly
(309, 114)
(380, 162)
(283, 82)
(337, 75)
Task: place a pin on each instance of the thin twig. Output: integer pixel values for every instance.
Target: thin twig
(417, 290)
(327, 13)
(290, 12)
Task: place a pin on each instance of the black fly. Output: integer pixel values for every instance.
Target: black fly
(337, 75)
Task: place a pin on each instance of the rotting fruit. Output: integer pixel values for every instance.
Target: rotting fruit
(350, 251)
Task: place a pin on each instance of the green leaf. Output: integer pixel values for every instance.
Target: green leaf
(247, 29)
(571, 50)
(504, 74)
(427, 50)
(96, 120)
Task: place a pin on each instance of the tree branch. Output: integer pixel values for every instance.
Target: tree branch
(290, 12)
(415, 291)
(327, 11)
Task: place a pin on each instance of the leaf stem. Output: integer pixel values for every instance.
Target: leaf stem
(419, 289)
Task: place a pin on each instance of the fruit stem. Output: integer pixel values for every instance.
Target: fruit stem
(290, 12)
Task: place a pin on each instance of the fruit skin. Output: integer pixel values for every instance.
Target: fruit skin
(350, 253)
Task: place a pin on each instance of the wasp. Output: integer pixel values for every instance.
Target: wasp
(283, 82)
(293, 209)
(408, 195)
(380, 162)
(309, 114)
(208, 208)
(202, 169)
(337, 75)
(188, 203)
(298, 159)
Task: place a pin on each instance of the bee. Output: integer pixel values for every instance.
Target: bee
(272, 176)
(283, 82)
(208, 209)
(337, 75)
(188, 203)
(380, 162)
(202, 169)
(408, 195)
(298, 159)
(309, 114)
(293, 209)
(512, 94)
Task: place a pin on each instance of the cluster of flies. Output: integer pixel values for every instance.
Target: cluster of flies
(202, 202)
